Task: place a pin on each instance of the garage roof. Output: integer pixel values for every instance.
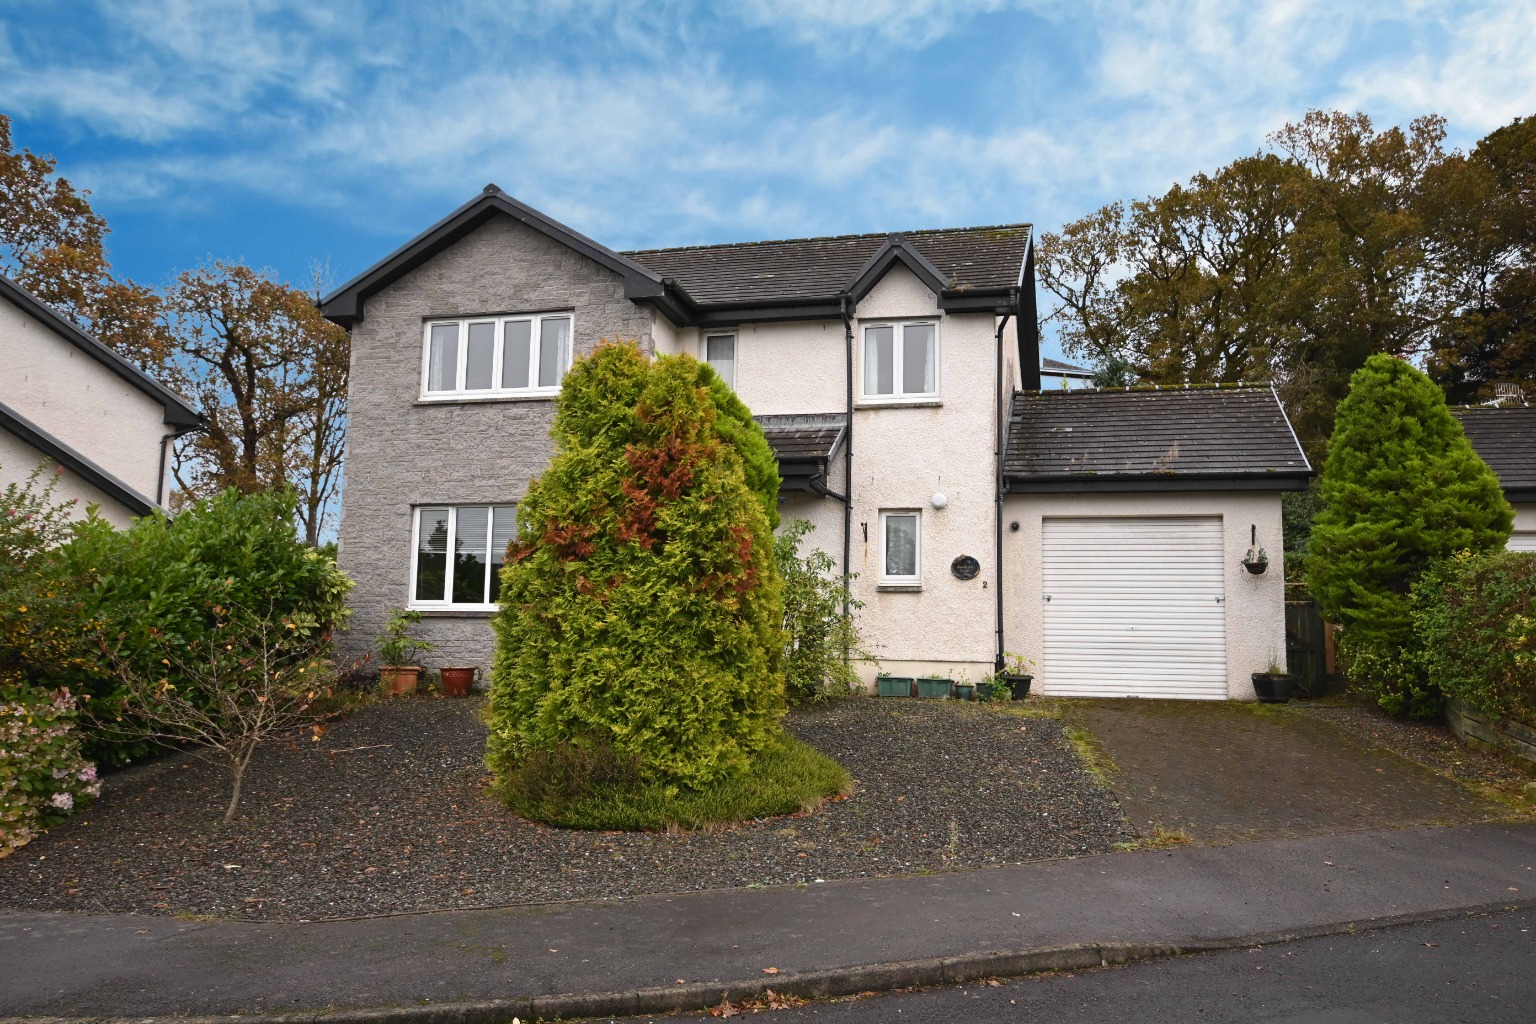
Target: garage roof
(1146, 439)
(1506, 440)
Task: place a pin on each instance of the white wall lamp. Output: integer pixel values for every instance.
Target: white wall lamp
(939, 499)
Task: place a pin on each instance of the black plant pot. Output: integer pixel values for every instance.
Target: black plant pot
(1018, 685)
(1273, 687)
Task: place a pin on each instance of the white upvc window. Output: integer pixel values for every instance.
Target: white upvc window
(901, 361)
(901, 546)
(720, 353)
(495, 356)
(477, 537)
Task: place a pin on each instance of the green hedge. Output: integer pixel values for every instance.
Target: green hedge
(1475, 616)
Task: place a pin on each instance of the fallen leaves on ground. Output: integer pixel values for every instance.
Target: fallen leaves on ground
(769, 1000)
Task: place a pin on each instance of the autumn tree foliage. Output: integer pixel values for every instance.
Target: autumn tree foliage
(640, 608)
(1294, 264)
(270, 374)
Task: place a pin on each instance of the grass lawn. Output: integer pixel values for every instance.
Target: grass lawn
(786, 777)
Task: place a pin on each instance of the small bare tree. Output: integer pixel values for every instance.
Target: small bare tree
(260, 674)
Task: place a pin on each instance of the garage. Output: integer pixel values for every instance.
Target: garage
(1134, 607)
(1522, 540)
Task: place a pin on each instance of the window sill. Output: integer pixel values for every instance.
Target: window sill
(455, 613)
(900, 403)
(899, 588)
(482, 399)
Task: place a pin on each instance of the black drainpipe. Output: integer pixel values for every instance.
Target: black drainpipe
(160, 495)
(999, 439)
(842, 303)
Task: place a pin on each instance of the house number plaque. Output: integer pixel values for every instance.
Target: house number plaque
(965, 567)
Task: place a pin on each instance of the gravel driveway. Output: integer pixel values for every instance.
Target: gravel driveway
(388, 814)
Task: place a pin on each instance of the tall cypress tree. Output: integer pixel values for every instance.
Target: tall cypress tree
(1401, 487)
(641, 605)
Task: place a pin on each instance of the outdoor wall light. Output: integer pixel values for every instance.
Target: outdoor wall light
(939, 499)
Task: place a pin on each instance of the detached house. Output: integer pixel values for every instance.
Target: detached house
(1505, 438)
(897, 376)
(70, 401)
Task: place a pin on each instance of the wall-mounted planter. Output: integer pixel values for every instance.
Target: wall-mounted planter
(933, 687)
(894, 686)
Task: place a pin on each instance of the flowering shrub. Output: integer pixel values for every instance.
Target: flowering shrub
(42, 775)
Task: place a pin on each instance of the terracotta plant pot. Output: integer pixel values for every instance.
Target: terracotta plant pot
(398, 680)
(457, 682)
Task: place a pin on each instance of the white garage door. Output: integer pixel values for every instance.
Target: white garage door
(1522, 540)
(1135, 607)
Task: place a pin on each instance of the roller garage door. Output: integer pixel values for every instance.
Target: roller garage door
(1522, 540)
(1135, 607)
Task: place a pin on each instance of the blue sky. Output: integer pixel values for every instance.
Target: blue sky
(290, 133)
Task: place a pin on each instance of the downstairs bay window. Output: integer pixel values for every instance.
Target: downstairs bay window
(459, 552)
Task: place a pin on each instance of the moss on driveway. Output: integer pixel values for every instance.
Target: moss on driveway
(1227, 771)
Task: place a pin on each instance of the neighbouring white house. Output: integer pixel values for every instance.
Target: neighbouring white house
(69, 401)
(1505, 438)
(1101, 534)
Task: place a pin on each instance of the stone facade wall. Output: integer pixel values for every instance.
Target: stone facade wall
(403, 453)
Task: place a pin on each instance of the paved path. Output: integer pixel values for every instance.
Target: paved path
(138, 966)
(1227, 771)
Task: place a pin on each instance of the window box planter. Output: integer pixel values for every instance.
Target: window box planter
(965, 691)
(1273, 687)
(933, 687)
(457, 682)
(399, 680)
(1018, 684)
(894, 686)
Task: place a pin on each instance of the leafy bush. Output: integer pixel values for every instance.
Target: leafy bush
(821, 641)
(1401, 488)
(1475, 616)
(396, 645)
(640, 607)
(155, 587)
(42, 775)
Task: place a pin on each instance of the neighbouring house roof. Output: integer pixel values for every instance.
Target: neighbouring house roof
(971, 269)
(803, 444)
(1506, 440)
(177, 411)
(1057, 368)
(1138, 439)
(61, 453)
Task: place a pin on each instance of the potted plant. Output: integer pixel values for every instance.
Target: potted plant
(1016, 674)
(1274, 685)
(934, 687)
(965, 689)
(458, 681)
(1256, 561)
(893, 686)
(397, 649)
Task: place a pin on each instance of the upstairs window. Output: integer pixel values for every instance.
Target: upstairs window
(459, 553)
(720, 353)
(485, 358)
(901, 361)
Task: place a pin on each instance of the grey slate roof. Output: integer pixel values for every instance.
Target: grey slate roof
(1506, 440)
(800, 268)
(1057, 367)
(801, 438)
(1142, 439)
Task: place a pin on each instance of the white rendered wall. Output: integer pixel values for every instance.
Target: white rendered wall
(17, 461)
(1525, 517)
(1255, 605)
(795, 367)
(82, 403)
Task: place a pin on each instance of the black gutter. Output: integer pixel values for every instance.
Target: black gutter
(999, 441)
(847, 468)
(1141, 482)
(68, 458)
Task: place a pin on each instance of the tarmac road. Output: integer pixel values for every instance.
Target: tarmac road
(1472, 969)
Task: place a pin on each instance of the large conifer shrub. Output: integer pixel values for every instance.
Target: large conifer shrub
(640, 606)
(1401, 488)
